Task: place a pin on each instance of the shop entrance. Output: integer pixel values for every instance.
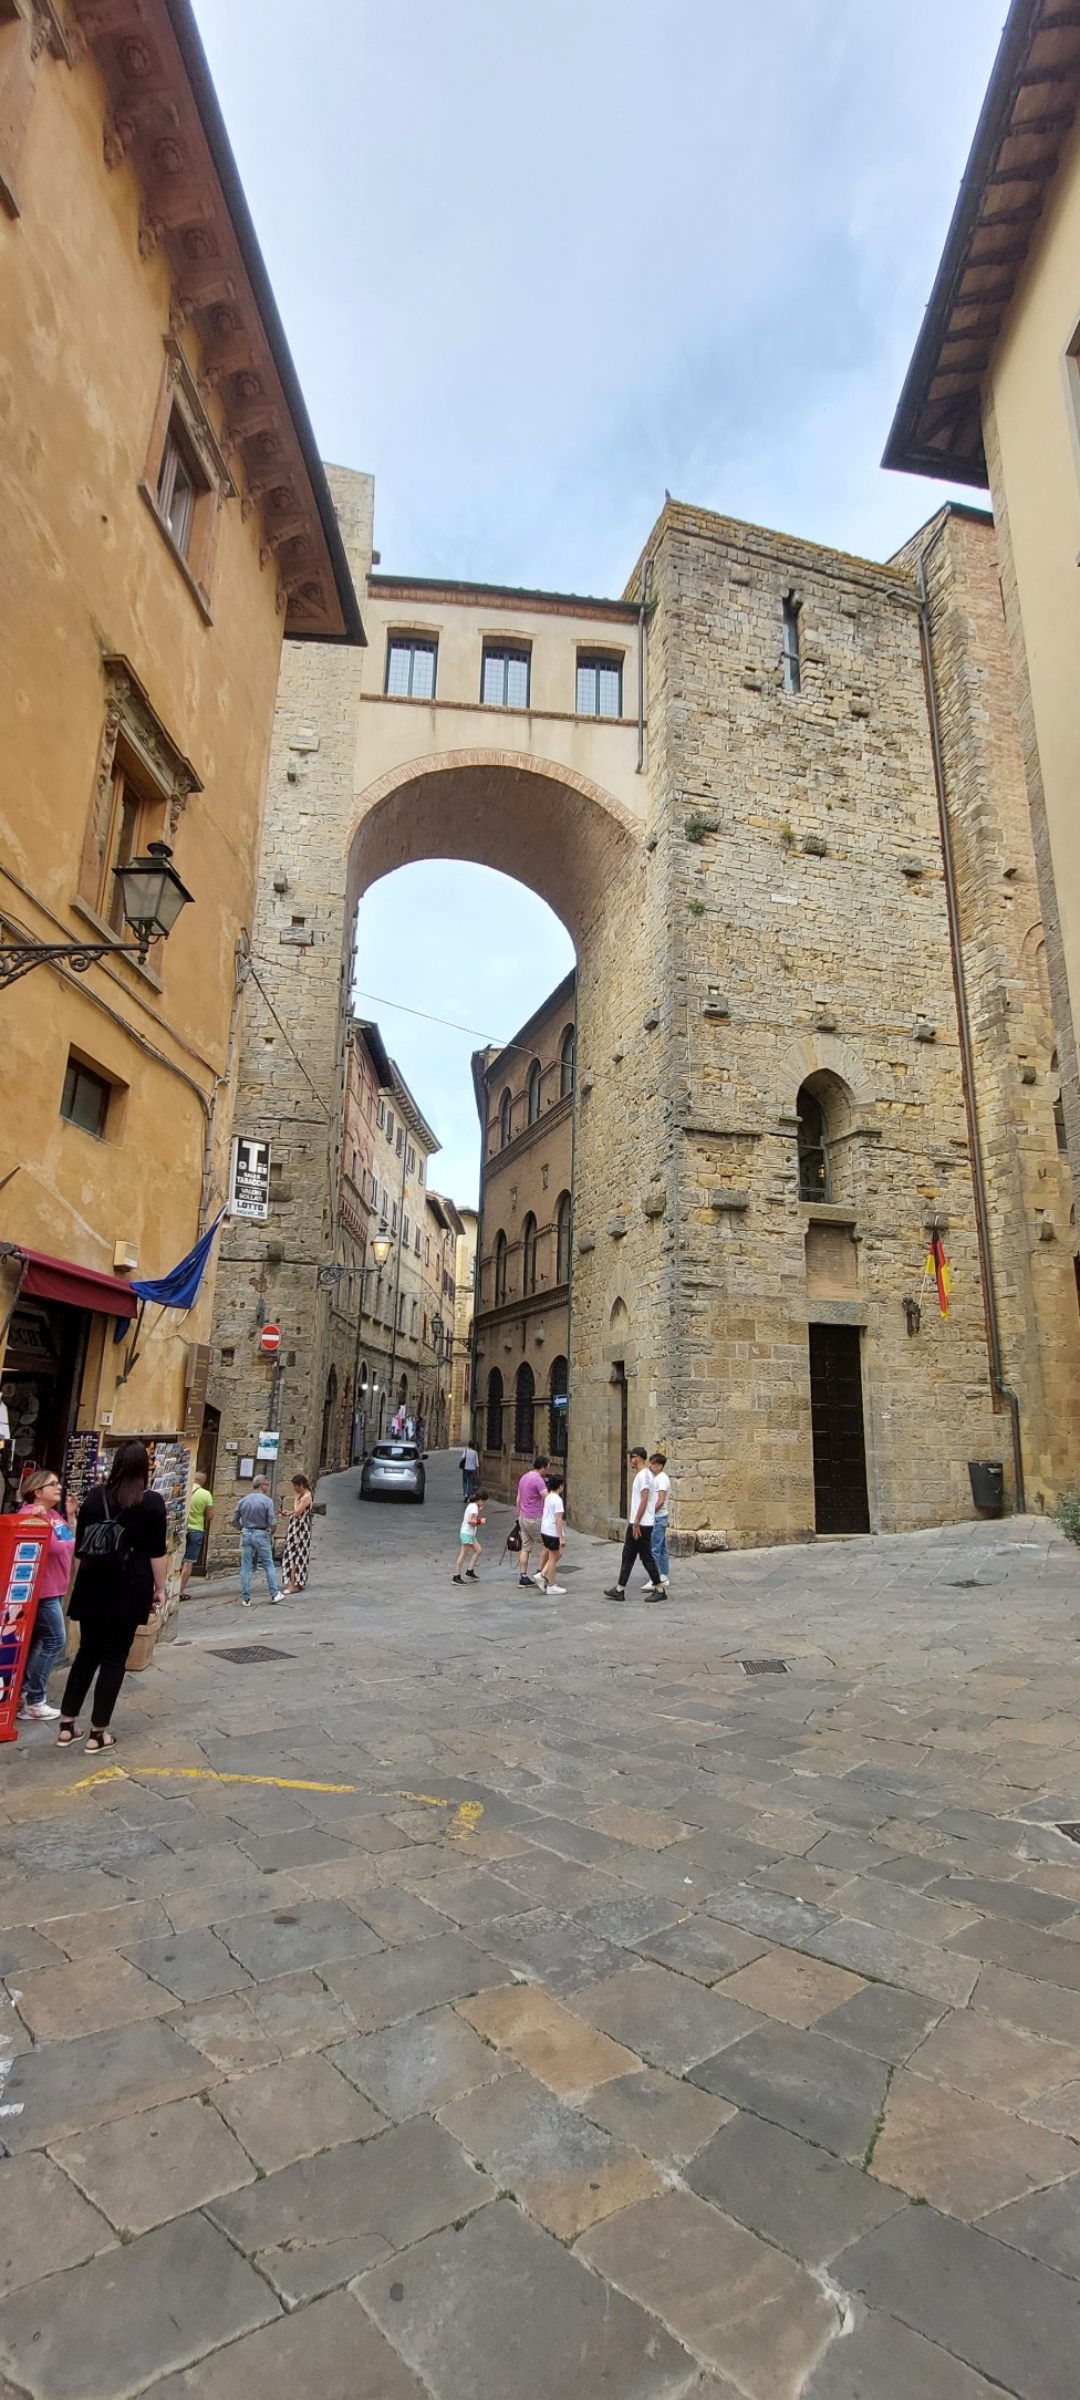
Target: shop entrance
(836, 1409)
(42, 1380)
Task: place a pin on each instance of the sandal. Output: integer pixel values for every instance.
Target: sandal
(69, 1732)
(100, 1739)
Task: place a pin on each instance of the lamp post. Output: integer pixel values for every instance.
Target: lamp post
(151, 896)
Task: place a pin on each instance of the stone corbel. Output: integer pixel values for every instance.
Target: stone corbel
(49, 32)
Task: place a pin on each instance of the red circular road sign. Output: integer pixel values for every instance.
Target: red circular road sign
(270, 1337)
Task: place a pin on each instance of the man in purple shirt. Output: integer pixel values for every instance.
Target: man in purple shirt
(531, 1495)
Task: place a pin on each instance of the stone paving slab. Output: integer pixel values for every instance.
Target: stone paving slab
(192, 1966)
(670, 2020)
(567, 2171)
(501, 2311)
(404, 1982)
(157, 2304)
(161, 2163)
(883, 2360)
(659, 2114)
(1006, 2315)
(308, 1933)
(331, 2350)
(963, 2155)
(744, 2308)
(311, 2226)
(295, 2107)
(556, 2044)
(45, 2224)
(419, 2064)
(70, 2086)
(1046, 2226)
(822, 2090)
(795, 2194)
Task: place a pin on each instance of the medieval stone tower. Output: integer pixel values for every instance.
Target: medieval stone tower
(776, 1098)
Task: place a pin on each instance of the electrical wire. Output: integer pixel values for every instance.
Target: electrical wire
(382, 1002)
(289, 1043)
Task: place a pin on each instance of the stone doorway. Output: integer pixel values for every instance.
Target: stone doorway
(836, 1411)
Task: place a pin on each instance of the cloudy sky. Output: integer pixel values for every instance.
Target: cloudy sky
(538, 264)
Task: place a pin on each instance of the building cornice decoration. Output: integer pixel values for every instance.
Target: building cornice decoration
(162, 119)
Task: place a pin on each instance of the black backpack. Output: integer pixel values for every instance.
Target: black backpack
(105, 1538)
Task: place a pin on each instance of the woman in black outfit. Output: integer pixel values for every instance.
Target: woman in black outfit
(115, 1589)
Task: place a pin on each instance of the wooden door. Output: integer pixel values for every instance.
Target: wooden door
(836, 1410)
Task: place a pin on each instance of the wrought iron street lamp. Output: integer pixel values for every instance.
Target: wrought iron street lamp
(151, 896)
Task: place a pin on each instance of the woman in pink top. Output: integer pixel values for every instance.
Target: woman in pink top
(531, 1496)
(41, 1499)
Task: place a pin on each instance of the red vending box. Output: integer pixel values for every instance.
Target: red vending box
(22, 1551)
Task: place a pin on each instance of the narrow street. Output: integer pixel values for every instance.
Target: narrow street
(499, 1998)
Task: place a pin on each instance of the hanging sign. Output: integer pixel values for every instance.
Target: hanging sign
(267, 1446)
(270, 1338)
(249, 1178)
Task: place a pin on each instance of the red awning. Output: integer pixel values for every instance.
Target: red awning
(82, 1287)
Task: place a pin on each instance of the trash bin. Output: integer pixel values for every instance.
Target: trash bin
(987, 1484)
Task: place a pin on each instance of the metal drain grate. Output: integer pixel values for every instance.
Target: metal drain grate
(764, 1666)
(252, 1654)
(1073, 1832)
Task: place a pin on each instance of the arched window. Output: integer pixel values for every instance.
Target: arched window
(534, 1091)
(557, 1410)
(813, 1154)
(528, 1249)
(566, 1063)
(506, 1119)
(524, 1396)
(500, 1268)
(563, 1220)
(493, 1435)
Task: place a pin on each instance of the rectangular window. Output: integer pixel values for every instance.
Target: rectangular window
(85, 1098)
(415, 1314)
(401, 1313)
(410, 667)
(400, 1138)
(410, 1160)
(389, 1124)
(393, 1217)
(505, 680)
(180, 485)
(420, 1175)
(380, 1115)
(427, 1253)
(405, 1227)
(599, 687)
(792, 660)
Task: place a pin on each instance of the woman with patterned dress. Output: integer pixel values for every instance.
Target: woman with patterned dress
(296, 1556)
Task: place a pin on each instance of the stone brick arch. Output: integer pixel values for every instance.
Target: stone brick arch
(824, 1054)
(538, 821)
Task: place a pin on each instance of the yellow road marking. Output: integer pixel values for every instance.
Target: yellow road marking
(465, 1822)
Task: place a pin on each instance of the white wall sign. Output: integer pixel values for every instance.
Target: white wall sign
(267, 1446)
(249, 1178)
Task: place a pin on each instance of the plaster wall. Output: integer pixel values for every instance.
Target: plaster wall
(86, 571)
(1032, 408)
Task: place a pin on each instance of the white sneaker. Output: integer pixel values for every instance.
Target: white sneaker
(556, 1587)
(38, 1711)
(539, 1582)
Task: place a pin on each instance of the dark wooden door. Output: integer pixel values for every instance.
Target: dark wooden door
(836, 1411)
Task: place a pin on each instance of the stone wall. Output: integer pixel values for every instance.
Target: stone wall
(768, 917)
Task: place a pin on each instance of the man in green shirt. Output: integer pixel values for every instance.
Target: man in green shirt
(200, 1511)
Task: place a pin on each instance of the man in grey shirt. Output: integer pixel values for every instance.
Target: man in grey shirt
(256, 1518)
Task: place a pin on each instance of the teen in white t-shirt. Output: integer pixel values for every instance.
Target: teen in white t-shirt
(470, 1540)
(662, 1481)
(551, 1534)
(638, 1543)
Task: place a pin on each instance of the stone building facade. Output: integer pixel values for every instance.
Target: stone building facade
(525, 1102)
(460, 1424)
(725, 784)
(167, 523)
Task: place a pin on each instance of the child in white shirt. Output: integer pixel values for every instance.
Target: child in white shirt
(552, 1536)
(470, 1540)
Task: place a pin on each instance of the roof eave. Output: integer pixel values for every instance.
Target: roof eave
(189, 44)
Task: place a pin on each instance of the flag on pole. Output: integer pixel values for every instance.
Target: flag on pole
(179, 1288)
(937, 1267)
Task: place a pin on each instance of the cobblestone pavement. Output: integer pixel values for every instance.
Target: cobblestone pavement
(499, 1998)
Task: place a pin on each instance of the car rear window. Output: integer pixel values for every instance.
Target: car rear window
(394, 1450)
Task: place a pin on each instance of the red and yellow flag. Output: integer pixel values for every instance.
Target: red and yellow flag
(937, 1266)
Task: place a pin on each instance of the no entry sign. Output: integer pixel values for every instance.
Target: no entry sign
(270, 1338)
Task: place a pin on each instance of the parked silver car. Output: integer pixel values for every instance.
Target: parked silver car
(394, 1471)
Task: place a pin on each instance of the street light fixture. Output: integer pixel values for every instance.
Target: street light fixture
(151, 896)
(380, 1249)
